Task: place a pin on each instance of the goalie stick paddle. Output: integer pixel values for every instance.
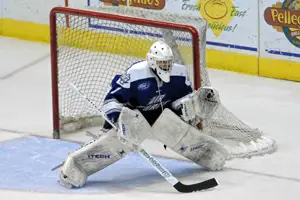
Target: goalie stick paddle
(180, 187)
(211, 183)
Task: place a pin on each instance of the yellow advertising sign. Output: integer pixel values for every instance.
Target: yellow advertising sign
(219, 14)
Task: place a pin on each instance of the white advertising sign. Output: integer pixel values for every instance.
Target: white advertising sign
(29, 10)
(232, 23)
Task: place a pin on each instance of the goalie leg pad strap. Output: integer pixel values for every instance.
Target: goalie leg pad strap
(189, 142)
(92, 157)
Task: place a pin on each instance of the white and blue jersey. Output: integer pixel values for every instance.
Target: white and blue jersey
(139, 88)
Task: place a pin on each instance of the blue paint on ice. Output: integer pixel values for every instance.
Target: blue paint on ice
(26, 165)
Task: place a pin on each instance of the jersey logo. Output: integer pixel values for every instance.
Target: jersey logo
(143, 86)
(124, 79)
(155, 103)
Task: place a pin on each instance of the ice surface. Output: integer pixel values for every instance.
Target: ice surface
(26, 165)
(271, 105)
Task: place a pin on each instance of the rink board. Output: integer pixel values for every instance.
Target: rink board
(217, 59)
(26, 165)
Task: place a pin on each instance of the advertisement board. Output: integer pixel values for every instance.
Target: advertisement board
(259, 37)
(232, 23)
(280, 29)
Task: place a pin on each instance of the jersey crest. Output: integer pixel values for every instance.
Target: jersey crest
(125, 78)
(143, 86)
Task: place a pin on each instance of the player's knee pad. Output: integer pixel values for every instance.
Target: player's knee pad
(133, 126)
(92, 157)
(189, 142)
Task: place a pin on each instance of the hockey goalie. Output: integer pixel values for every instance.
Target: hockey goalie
(152, 98)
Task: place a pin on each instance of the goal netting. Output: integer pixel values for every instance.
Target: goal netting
(89, 47)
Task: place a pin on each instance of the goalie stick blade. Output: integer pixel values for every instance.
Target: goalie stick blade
(196, 187)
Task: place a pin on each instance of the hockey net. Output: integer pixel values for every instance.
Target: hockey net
(89, 47)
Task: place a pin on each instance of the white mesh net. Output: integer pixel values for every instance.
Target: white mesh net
(92, 51)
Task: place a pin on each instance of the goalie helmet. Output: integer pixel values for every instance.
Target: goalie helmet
(160, 59)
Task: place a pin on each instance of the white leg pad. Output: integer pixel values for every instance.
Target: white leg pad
(189, 142)
(91, 158)
(133, 126)
(71, 174)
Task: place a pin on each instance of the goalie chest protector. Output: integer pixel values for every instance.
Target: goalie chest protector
(140, 89)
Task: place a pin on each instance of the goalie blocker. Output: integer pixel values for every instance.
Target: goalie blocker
(107, 149)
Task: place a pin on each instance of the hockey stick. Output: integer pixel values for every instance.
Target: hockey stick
(151, 160)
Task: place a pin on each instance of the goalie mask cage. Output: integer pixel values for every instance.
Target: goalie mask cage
(89, 47)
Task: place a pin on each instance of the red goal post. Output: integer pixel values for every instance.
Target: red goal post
(69, 12)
